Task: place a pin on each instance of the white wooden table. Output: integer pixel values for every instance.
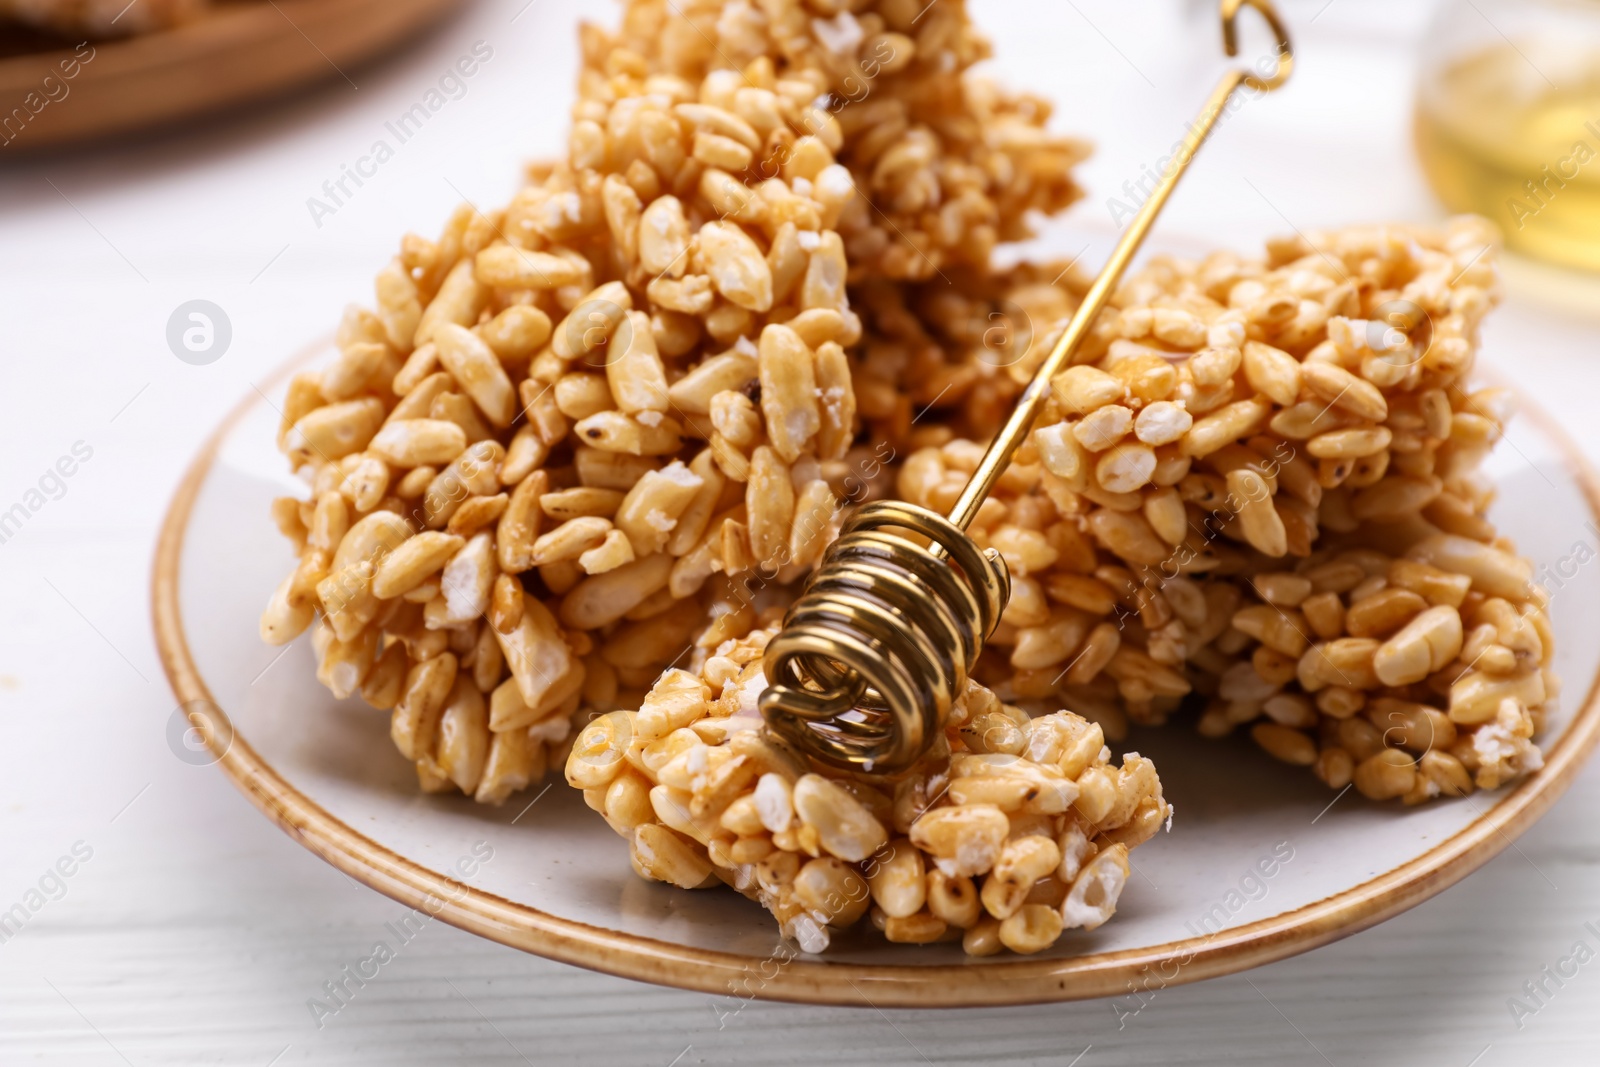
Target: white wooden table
(195, 932)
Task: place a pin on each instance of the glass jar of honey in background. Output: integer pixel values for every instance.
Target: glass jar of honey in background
(1508, 120)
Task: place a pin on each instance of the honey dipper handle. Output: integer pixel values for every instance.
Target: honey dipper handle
(1031, 403)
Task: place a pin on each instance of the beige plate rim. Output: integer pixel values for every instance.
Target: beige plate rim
(1021, 981)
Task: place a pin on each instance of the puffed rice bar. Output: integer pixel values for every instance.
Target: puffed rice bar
(574, 430)
(1135, 587)
(1413, 662)
(947, 163)
(1416, 669)
(1011, 831)
(1267, 400)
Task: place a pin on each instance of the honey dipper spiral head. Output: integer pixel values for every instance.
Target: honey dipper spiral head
(879, 645)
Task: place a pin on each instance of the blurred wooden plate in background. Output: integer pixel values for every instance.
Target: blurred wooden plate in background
(53, 92)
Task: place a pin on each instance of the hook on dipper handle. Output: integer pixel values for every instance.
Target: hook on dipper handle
(1284, 50)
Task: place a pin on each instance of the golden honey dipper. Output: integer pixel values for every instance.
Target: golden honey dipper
(879, 644)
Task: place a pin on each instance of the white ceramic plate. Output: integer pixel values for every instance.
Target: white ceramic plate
(1263, 861)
